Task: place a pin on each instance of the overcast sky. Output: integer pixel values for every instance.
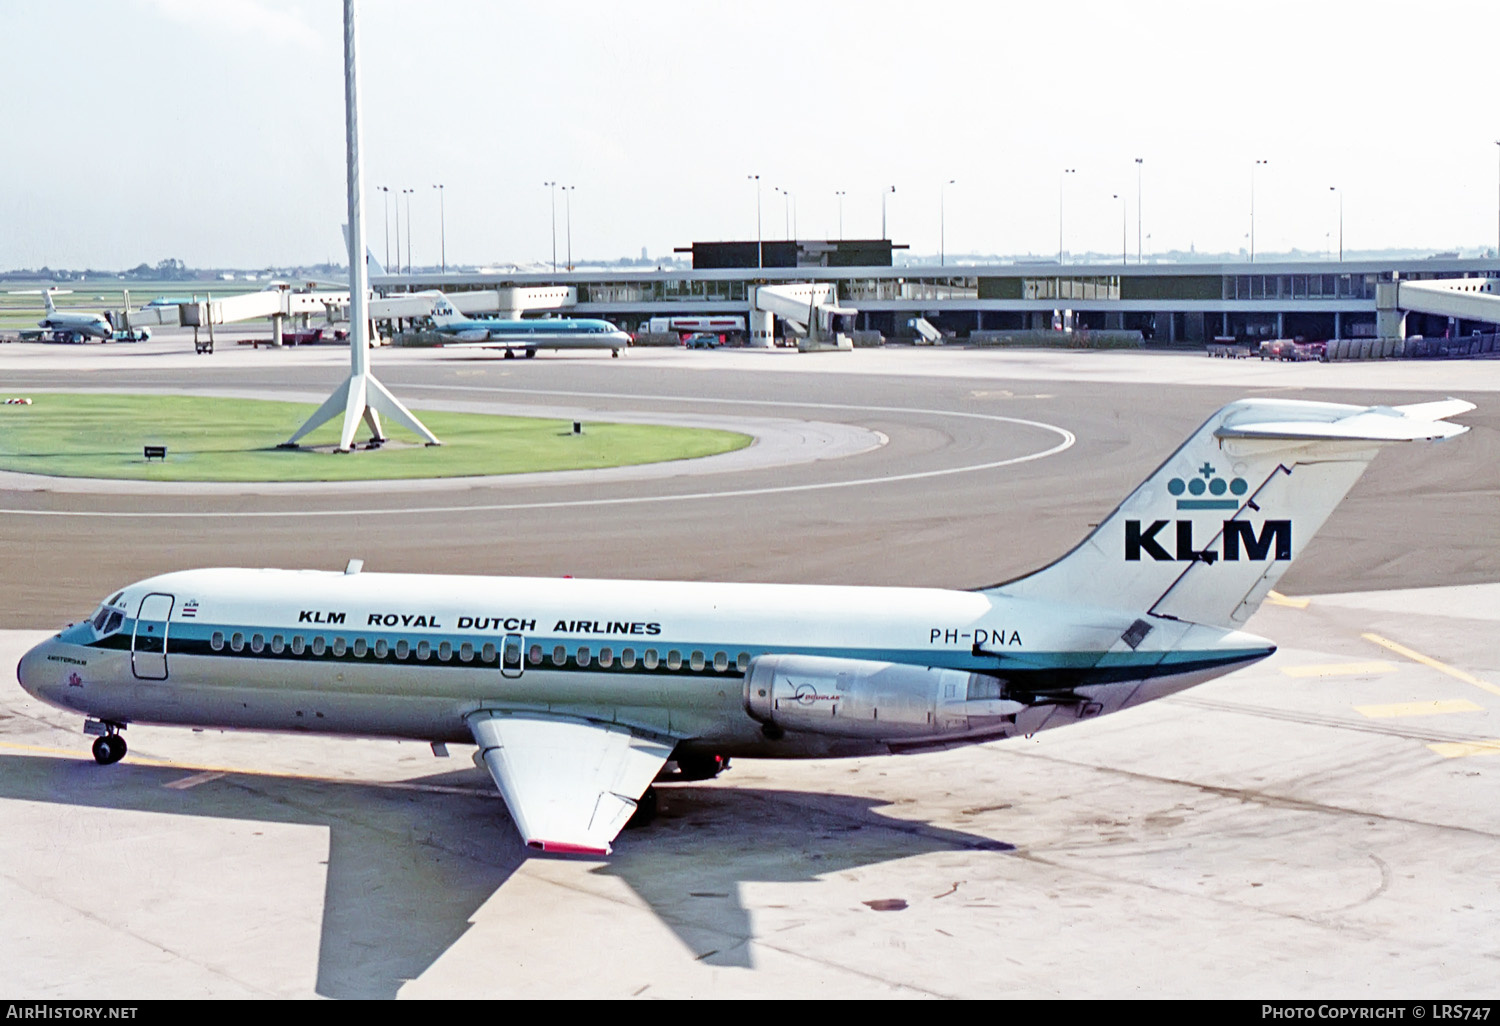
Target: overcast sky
(212, 130)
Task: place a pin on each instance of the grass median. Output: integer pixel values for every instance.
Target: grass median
(210, 439)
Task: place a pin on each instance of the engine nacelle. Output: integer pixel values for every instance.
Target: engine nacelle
(866, 699)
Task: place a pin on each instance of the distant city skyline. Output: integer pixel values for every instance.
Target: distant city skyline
(212, 132)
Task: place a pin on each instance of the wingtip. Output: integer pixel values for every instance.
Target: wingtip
(567, 848)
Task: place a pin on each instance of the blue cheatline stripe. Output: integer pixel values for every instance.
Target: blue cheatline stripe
(1208, 504)
(1072, 668)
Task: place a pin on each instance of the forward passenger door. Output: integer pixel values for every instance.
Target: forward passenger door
(148, 646)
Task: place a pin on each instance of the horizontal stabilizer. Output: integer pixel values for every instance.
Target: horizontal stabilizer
(1414, 423)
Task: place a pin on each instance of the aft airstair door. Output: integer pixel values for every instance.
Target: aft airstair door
(513, 656)
(148, 648)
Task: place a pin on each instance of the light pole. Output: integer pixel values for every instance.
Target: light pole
(568, 206)
(840, 194)
(786, 209)
(760, 252)
(1497, 228)
(943, 221)
(551, 188)
(1122, 227)
(398, 231)
(1257, 164)
(883, 194)
(1061, 182)
(1138, 162)
(443, 225)
(387, 192)
(1335, 188)
(407, 193)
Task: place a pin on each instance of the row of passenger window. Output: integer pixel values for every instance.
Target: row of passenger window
(650, 658)
(466, 652)
(339, 646)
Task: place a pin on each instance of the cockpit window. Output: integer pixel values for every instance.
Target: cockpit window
(107, 620)
(116, 600)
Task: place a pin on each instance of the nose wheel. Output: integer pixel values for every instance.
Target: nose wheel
(109, 749)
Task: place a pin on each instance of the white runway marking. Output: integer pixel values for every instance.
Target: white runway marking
(1068, 440)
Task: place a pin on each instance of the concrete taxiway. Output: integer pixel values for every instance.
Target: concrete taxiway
(1317, 825)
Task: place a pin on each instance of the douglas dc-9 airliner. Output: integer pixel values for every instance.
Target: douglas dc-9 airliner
(524, 335)
(579, 692)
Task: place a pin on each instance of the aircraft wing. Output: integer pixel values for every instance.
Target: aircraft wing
(570, 783)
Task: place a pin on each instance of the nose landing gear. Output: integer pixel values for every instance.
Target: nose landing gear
(109, 747)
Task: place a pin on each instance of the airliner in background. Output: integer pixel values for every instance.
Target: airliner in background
(524, 335)
(74, 326)
(578, 693)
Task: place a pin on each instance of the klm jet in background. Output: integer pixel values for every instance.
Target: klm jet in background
(578, 693)
(525, 335)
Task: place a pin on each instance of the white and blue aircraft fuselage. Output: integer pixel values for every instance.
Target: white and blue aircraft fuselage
(524, 335)
(578, 692)
(74, 326)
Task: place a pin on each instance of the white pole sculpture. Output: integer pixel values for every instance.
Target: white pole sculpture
(361, 396)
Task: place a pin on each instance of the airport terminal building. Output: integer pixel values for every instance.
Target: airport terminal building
(1182, 304)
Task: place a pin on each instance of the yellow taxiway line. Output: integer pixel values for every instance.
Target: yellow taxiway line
(1433, 708)
(1276, 598)
(203, 774)
(1418, 657)
(1338, 669)
(1459, 749)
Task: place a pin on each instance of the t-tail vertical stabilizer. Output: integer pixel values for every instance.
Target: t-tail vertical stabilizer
(1213, 529)
(444, 313)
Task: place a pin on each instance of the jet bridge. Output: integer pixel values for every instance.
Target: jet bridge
(276, 303)
(1468, 299)
(511, 303)
(281, 301)
(811, 312)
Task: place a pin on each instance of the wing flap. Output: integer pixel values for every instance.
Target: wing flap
(571, 784)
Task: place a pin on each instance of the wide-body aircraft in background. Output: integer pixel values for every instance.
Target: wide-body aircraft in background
(578, 693)
(524, 335)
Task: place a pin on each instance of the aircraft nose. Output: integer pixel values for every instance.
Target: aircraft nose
(31, 671)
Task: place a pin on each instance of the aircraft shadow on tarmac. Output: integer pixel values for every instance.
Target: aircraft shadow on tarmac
(408, 868)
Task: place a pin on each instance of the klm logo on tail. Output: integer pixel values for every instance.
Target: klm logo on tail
(1206, 481)
(1273, 542)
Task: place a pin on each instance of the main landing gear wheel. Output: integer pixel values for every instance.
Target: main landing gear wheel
(645, 809)
(700, 767)
(109, 749)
